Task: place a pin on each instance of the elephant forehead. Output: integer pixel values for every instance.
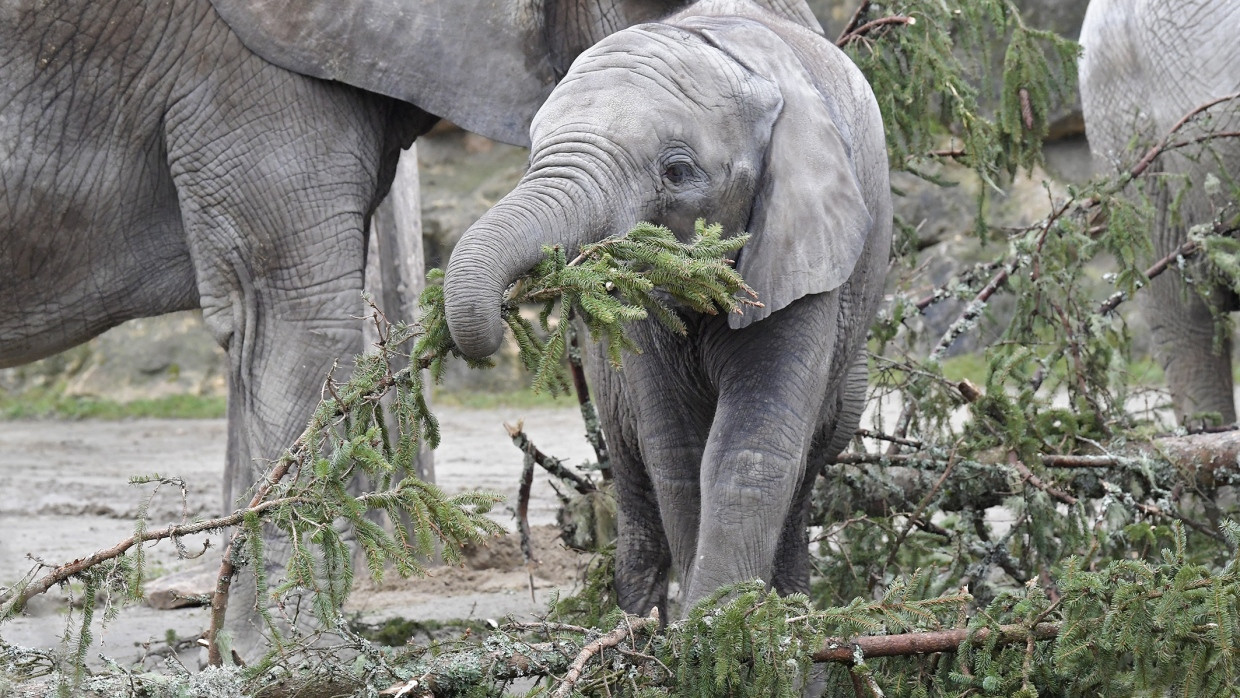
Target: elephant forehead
(669, 58)
(632, 95)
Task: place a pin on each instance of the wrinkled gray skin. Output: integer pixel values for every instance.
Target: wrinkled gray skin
(732, 114)
(1146, 64)
(150, 161)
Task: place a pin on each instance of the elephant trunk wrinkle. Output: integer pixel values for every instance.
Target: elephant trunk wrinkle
(505, 243)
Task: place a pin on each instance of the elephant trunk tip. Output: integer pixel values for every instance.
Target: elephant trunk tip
(473, 314)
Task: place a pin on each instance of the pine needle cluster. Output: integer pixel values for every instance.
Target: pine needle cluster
(933, 75)
(622, 280)
(609, 284)
(351, 436)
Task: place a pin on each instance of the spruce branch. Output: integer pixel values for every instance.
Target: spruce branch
(625, 630)
(1166, 143)
(625, 279)
(14, 599)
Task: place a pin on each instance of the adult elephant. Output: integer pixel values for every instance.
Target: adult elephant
(734, 114)
(227, 155)
(1147, 63)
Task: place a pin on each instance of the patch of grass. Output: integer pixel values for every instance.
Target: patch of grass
(970, 367)
(45, 404)
(478, 400)
(1147, 372)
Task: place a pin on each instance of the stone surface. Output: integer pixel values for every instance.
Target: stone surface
(192, 587)
(145, 358)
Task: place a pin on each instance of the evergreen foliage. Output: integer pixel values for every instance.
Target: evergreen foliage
(621, 280)
(609, 284)
(931, 75)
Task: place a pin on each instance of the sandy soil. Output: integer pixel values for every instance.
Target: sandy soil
(64, 493)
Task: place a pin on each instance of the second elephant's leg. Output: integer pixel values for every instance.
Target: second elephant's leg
(1193, 347)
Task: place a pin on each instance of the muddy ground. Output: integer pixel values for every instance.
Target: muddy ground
(64, 493)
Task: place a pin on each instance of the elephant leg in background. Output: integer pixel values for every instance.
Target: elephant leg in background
(276, 237)
(1193, 348)
(643, 554)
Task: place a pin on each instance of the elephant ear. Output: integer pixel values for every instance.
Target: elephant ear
(809, 222)
(486, 65)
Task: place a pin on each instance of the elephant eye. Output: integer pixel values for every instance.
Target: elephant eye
(677, 173)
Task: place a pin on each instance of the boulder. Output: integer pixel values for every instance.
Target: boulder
(192, 587)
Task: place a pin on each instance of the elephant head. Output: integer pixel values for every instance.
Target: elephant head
(483, 64)
(703, 116)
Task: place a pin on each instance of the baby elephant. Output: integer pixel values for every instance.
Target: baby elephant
(733, 114)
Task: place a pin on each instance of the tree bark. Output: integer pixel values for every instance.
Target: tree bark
(396, 265)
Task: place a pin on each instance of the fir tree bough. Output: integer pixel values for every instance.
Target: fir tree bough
(610, 283)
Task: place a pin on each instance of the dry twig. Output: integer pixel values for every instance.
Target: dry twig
(624, 630)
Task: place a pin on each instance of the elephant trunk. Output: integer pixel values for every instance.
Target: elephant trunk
(505, 243)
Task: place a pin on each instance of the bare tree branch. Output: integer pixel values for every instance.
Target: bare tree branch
(18, 596)
(625, 629)
(551, 465)
(908, 644)
(1162, 145)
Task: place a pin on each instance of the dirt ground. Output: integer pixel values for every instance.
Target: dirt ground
(64, 493)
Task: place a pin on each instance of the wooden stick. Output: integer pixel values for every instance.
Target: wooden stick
(843, 651)
(62, 573)
(611, 639)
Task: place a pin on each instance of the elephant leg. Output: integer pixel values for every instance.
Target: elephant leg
(657, 411)
(841, 417)
(1192, 346)
(772, 378)
(274, 199)
(643, 558)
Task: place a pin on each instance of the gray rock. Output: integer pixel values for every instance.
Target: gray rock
(153, 357)
(192, 587)
(146, 358)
